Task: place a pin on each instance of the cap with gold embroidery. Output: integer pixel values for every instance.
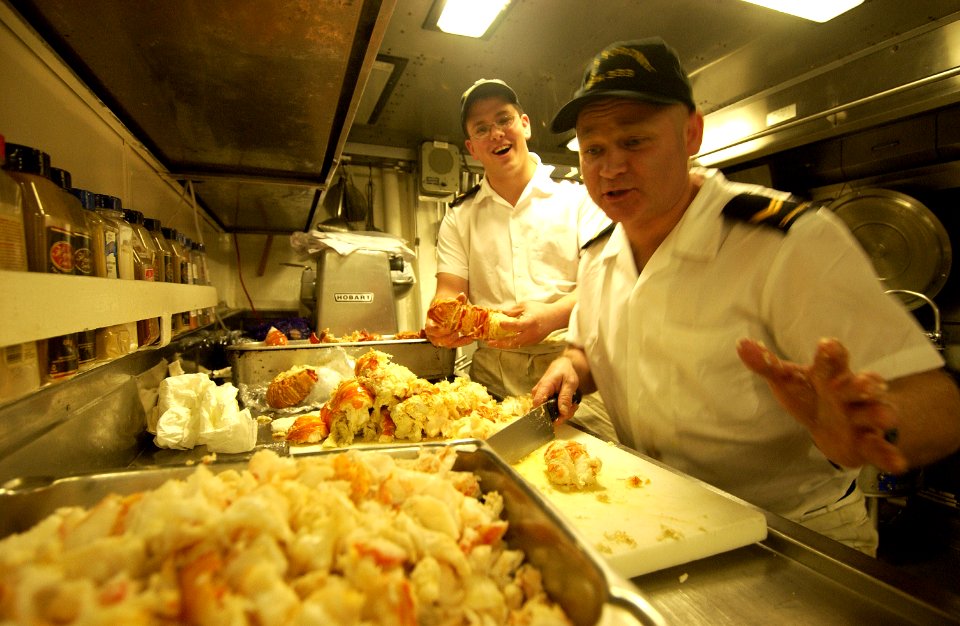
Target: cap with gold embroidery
(643, 69)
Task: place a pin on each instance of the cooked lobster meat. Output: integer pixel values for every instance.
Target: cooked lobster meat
(468, 320)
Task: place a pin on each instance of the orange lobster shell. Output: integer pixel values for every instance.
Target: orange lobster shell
(477, 322)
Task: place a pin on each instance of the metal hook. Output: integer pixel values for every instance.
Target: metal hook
(936, 336)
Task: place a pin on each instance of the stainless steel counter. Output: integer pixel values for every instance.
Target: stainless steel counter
(95, 422)
(797, 576)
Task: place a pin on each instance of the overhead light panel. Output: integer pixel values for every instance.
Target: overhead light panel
(815, 10)
(470, 18)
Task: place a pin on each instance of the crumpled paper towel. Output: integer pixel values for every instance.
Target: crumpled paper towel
(194, 410)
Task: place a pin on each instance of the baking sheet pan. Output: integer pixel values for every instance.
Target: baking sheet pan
(574, 575)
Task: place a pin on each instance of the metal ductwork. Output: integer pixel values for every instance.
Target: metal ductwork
(887, 110)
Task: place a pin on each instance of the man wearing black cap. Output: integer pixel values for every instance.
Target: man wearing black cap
(512, 243)
(699, 274)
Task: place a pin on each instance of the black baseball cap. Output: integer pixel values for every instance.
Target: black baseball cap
(641, 69)
(484, 88)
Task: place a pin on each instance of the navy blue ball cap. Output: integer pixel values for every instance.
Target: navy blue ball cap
(643, 69)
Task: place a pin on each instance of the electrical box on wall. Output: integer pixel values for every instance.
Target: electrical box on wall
(439, 170)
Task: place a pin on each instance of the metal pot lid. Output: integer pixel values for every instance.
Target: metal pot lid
(908, 245)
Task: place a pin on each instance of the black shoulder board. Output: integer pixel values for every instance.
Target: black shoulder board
(755, 209)
(466, 194)
(599, 236)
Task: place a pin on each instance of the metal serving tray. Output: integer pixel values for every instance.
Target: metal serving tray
(255, 363)
(574, 575)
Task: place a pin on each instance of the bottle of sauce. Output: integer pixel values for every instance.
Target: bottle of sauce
(165, 253)
(103, 237)
(204, 316)
(145, 260)
(176, 264)
(122, 338)
(163, 247)
(48, 230)
(84, 258)
(192, 315)
(19, 367)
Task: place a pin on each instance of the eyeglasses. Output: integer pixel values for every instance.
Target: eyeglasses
(484, 131)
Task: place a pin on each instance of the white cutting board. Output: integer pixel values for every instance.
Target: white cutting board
(665, 520)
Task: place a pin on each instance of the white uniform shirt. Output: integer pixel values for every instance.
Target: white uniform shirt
(529, 252)
(662, 345)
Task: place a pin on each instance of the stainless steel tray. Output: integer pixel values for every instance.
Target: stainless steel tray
(255, 363)
(574, 575)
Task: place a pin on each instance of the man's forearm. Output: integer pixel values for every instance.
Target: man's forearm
(578, 360)
(928, 406)
(560, 312)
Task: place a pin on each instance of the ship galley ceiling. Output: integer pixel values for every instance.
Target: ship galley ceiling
(260, 102)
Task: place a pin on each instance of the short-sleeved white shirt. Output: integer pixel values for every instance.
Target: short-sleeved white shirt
(523, 253)
(662, 344)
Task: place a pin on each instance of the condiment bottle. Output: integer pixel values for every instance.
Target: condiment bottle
(84, 258)
(103, 246)
(198, 254)
(19, 366)
(103, 235)
(192, 317)
(176, 264)
(165, 250)
(144, 254)
(154, 228)
(122, 338)
(111, 209)
(48, 229)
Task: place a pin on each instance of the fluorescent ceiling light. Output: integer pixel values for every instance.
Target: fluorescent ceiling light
(816, 10)
(470, 18)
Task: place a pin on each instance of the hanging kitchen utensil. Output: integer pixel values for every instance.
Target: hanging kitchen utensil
(333, 203)
(369, 225)
(908, 245)
(354, 204)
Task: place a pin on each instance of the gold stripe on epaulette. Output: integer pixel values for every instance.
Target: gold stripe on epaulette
(771, 210)
(800, 208)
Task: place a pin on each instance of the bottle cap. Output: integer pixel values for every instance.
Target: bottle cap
(25, 159)
(87, 198)
(133, 216)
(61, 177)
(104, 201)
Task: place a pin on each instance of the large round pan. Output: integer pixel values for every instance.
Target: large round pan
(908, 245)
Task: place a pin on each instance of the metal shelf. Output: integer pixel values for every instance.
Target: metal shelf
(38, 306)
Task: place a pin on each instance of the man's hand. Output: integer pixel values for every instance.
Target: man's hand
(561, 378)
(443, 338)
(848, 414)
(530, 323)
(525, 326)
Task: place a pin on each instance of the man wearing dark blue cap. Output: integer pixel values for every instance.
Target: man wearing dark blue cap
(699, 274)
(512, 243)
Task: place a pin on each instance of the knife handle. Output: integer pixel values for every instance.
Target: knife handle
(553, 404)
